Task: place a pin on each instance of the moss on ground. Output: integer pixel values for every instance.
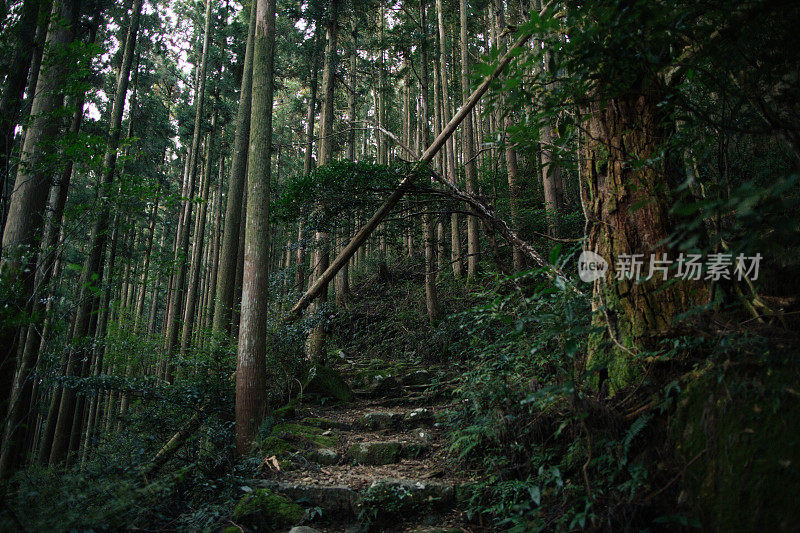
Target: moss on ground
(304, 434)
(737, 433)
(264, 510)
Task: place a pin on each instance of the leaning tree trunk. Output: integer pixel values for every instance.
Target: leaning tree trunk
(251, 368)
(627, 205)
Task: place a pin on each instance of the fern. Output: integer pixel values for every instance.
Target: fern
(638, 425)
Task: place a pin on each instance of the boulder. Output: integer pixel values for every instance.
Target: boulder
(379, 420)
(420, 417)
(333, 499)
(324, 382)
(324, 456)
(375, 453)
(264, 510)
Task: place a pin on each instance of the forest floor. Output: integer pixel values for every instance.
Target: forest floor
(380, 460)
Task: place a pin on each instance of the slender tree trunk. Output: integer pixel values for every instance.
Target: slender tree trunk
(175, 313)
(322, 238)
(101, 340)
(215, 248)
(93, 264)
(226, 277)
(197, 248)
(467, 147)
(251, 369)
(431, 298)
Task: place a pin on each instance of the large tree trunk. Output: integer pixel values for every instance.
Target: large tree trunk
(251, 368)
(92, 268)
(226, 277)
(11, 101)
(23, 392)
(28, 201)
(627, 205)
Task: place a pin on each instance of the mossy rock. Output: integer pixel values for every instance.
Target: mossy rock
(264, 510)
(287, 411)
(375, 453)
(737, 433)
(276, 446)
(324, 382)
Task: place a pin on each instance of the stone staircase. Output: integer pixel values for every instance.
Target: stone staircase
(358, 456)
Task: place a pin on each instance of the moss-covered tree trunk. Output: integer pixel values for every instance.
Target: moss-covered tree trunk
(626, 193)
(251, 368)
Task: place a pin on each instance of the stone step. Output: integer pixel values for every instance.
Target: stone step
(416, 418)
(342, 501)
(377, 453)
(339, 500)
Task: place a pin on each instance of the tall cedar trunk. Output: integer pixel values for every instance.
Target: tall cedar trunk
(628, 213)
(551, 172)
(23, 392)
(197, 247)
(24, 32)
(251, 368)
(351, 94)
(152, 314)
(92, 268)
(27, 203)
(431, 298)
(322, 238)
(456, 255)
(308, 158)
(226, 277)
(510, 152)
(467, 146)
(174, 314)
(101, 343)
(215, 248)
(143, 279)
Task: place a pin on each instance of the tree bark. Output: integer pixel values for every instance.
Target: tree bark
(322, 238)
(93, 263)
(251, 369)
(226, 277)
(628, 213)
(467, 147)
(28, 201)
(174, 314)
